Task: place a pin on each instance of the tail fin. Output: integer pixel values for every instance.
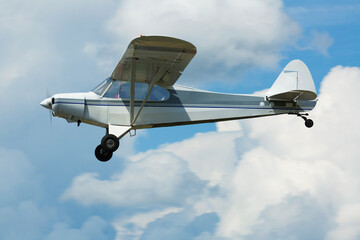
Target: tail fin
(294, 83)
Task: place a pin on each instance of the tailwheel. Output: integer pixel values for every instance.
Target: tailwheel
(102, 155)
(309, 123)
(110, 143)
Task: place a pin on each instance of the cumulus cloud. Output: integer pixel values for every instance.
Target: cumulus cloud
(321, 42)
(25, 220)
(348, 222)
(180, 226)
(17, 177)
(22, 51)
(265, 178)
(94, 228)
(132, 227)
(158, 180)
(24, 211)
(293, 218)
(317, 41)
(228, 126)
(218, 164)
(233, 33)
(290, 160)
(36, 39)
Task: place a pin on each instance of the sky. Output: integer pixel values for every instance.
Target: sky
(266, 178)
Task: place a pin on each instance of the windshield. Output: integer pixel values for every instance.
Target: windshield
(102, 87)
(121, 89)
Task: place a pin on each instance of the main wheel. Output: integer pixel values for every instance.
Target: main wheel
(102, 155)
(110, 142)
(309, 123)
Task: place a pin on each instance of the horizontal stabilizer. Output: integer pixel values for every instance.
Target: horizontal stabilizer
(294, 83)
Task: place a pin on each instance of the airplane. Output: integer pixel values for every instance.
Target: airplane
(141, 93)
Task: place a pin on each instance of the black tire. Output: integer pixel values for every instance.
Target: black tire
(309, 123)
(110, 143)
(102, 155)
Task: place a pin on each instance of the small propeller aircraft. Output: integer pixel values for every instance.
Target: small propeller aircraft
(141, 93)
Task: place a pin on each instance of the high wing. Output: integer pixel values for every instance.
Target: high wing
(154, 59)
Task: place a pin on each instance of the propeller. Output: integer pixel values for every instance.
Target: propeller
(50, 109)
(47, 103)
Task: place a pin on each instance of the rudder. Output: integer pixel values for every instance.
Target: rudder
(294, 83)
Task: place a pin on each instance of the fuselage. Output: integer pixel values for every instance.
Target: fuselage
(182, 106)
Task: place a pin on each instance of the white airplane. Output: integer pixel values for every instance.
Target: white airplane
(141, 93)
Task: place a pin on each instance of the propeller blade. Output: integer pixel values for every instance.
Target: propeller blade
(50, 106)
(50, 115)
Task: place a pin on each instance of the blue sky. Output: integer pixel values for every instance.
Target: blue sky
(268, 178)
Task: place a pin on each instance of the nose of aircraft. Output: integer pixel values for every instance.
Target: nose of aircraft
(46, 103)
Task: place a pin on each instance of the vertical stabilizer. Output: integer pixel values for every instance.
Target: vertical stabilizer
(294, 83)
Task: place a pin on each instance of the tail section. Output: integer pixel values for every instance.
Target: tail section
(294, 83)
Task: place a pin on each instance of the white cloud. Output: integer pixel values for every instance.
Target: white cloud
(317, 41)
(321, 42)
(27, 57)
(139, 222)
(17, 176)
(26, 213)
(233, 33)
(24, 221)
(94, 228)
(203, 156)
(228, 126)
(293, 218)
(348, 222)
(159, 180)
(325, 14)
(27, 220)
(105, 55)
(36, 38)
(182, 225)
(292, 160)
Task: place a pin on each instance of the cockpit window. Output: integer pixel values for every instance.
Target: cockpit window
(102, 87)
(121, 89)
(113, 91)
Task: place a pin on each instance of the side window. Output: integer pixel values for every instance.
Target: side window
(122, 90)
(159, 94)
(141, 90)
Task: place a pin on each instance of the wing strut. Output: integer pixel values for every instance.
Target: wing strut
(132, 89)
(157, 77)
(151, 86)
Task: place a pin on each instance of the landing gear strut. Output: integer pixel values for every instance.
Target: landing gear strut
(308, 122)
(109, 144)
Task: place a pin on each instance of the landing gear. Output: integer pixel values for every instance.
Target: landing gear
(102, 155)
(308, 122)
(109, 144)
